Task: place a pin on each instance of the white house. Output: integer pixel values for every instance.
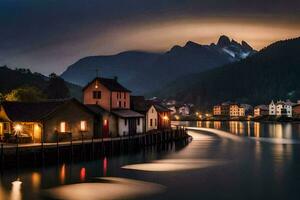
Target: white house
(151, 118)
(184, 110)
(281, 108)
(272, 108)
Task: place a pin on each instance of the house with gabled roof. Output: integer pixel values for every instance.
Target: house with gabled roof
(157, 116)
(46, 121)
(113, 100)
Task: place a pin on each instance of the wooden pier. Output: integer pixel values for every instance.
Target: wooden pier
(36, 154)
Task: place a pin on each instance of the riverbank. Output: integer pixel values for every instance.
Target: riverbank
(40, 154)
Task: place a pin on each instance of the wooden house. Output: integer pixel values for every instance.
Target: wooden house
(46, 121)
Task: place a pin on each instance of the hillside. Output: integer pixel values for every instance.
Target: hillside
(143, 72)
(272, 73)
(11, 79)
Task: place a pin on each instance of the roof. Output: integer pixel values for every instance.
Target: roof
(161, 108)
(111, 84)
(96, 109)
(34, 111)
(126, 113)
(139, 104)
(263, 107)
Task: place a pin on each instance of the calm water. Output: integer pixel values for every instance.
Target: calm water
(212, 166)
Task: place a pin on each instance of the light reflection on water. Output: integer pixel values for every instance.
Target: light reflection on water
(251, 129)
(237, 167)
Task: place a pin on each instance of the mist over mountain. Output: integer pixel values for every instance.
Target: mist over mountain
(144, 72)
(272, 73)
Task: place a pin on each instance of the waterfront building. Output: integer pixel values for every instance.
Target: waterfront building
(296, 110)
(46, 121)
(261, 110)
(281, 108)
(184, 110)
(156, 115)
(217, 110)
(114, 102)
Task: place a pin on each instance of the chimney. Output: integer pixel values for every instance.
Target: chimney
(116, 78)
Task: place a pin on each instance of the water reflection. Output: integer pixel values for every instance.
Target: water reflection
(62, 174)
(16, 190)
(174, 165)
(254, 129)
(105, 166)
(105, 188)
(82, 174)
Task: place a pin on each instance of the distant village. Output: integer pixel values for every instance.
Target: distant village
(280, 110)
(275, 110)
(108, 110)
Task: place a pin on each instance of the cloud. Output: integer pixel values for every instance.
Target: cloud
(49, 35)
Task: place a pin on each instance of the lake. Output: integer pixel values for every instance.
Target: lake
(214, 165)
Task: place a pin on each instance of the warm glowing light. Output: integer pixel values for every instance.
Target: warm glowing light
(18, 128)
(83, 125)
(62, 127)
(62, 174)
(166, 118)
(82, 174)
(36, 180)
(105, 122)
(177, 117)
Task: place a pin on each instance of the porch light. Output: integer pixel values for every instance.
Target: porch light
(165, 118)
(18, 128)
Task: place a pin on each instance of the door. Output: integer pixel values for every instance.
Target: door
(105, 128)
(132, 126)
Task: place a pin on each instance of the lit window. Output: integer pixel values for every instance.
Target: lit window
(62, 127)
(83, 125)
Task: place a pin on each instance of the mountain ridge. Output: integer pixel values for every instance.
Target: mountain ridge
(272, 73)
(138, 70)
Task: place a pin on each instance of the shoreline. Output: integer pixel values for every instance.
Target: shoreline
(37, 155)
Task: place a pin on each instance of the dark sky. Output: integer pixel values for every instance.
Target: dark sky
(47, 36)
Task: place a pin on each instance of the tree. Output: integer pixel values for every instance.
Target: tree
(26, 94)
(57, 88)
(2, 98)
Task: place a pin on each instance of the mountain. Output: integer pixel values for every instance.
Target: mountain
(11, 79)
(272, 73)
(143, 72)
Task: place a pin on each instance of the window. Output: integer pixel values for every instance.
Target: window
(124, 95)
(124, 104)
(138, 121)
(83, 125)
(120, 104)
(151, 122)
(96, 94)
(62, 127)
(5, 126)
(125, 122)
